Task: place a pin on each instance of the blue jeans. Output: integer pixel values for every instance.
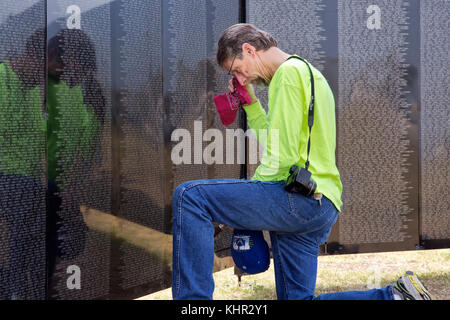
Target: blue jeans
(297, 225)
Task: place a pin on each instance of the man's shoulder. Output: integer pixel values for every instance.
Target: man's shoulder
(295, 69)
(294, 64)
(293, 72)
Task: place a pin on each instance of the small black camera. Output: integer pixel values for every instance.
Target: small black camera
(299, 181)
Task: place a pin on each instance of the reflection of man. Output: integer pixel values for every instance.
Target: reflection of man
(75, 111)
(65, 133)
(22, 123)
(72, 120)
(22, 154)
(298, 224)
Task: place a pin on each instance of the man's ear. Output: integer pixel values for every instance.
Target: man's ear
(247, 48)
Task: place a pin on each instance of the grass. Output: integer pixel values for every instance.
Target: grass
(342, 273)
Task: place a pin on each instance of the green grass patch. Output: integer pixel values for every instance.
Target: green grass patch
(337, 273)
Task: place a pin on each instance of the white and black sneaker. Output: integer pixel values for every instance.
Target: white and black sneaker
(409, 287)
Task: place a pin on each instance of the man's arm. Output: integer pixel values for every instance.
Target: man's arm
(284, 122)
(257, 121)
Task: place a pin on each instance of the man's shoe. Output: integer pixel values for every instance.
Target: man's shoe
(409, 287)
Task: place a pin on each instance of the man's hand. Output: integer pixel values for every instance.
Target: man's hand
(230, 85)
(249, 88)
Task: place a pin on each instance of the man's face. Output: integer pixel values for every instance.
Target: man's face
(245, 69)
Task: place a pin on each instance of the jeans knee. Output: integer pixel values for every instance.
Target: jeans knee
(182, 191)
(177, 193)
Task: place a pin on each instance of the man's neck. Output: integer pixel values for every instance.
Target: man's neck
(273, 58)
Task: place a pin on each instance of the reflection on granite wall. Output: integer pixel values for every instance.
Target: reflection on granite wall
(91, 92)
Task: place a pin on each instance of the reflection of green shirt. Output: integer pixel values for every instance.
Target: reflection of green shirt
(22, 126)
(289, 94)
(69, 130)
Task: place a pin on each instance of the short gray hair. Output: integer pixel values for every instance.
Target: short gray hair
(232, 39)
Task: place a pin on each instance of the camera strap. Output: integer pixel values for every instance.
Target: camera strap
(310, 108)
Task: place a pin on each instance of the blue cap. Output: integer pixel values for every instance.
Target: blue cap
(250, 251)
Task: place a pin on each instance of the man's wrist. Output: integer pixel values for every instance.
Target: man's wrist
(254, 100)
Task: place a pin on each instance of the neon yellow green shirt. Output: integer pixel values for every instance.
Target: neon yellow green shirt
(22, 126)
(26, 137)
(289, 95)
(71, 128)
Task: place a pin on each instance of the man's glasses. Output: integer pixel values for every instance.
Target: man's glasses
(229, 70)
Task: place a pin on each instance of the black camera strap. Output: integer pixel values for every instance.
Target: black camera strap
(310, 108)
